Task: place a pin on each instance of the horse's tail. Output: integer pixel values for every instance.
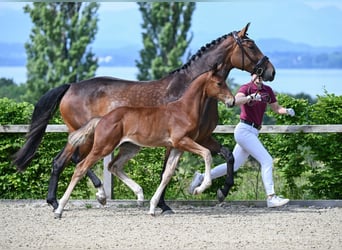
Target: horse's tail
(81, 135)
(42, 113)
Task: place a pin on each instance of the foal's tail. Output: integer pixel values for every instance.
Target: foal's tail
(81, 135)
(43, 111)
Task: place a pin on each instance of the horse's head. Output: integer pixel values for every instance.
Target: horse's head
(247, 56)
(217, 86)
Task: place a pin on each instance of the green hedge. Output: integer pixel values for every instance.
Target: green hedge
(33, 183)
(307, 166)
(310, 164)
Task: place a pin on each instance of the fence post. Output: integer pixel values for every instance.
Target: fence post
(108, 177)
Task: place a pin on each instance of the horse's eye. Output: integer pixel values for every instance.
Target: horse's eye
(251, 45)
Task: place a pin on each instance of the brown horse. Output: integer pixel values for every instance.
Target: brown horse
(174, 125)
(80, 102)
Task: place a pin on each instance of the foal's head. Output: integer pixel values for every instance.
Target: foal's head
(217, 87)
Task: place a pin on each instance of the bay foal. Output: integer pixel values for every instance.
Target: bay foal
(174, 125)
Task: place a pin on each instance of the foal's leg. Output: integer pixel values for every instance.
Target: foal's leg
(58, 165)
(187, 144)
(100, 149)
(217, 148)
(170, 168)
(76, 158)
(127, 152)
(162, 204)
(79, 172)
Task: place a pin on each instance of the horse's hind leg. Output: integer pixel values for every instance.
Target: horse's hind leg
(126, 152)
(100, 194)
(58, 166)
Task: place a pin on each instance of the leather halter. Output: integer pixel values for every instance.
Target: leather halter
(260, 65)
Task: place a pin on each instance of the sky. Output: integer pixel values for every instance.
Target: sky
(311, 22)
(317, 23)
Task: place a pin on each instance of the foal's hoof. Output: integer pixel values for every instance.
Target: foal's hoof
(153, 214)
(58, 216)
(220, 196)
(140, 203)
(101, 199)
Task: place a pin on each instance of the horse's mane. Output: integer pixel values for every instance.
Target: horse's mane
(200, 52)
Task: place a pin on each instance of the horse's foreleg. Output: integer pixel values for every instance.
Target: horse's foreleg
(126, 152)
(229, 180)
(58, 166)
(170, 168)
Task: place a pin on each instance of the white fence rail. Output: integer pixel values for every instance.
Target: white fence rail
(222, 129)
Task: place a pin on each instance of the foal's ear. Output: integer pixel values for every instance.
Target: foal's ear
(216, 71)
(243, 32)
(215, 68)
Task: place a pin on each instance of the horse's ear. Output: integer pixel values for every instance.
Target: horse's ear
(243, 32)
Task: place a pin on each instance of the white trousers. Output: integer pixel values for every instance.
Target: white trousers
(248, 143)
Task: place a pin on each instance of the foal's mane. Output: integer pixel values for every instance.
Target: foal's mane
(200, 52)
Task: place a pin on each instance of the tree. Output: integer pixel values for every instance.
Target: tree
(166, 25)
(9, 89)
(57, 52)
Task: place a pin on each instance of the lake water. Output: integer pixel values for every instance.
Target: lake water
(292, 81)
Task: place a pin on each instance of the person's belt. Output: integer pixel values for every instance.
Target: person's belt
(258, 127)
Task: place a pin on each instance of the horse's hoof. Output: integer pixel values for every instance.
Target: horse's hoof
(167, 212)
(53, 203)
(140, 203)
(58, 216)
(220, 196)
(102, 200)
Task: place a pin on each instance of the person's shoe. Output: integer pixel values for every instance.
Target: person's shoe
(196, 181)
(276, 201)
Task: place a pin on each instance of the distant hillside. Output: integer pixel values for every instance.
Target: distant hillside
(281, 45)
(284, 54)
